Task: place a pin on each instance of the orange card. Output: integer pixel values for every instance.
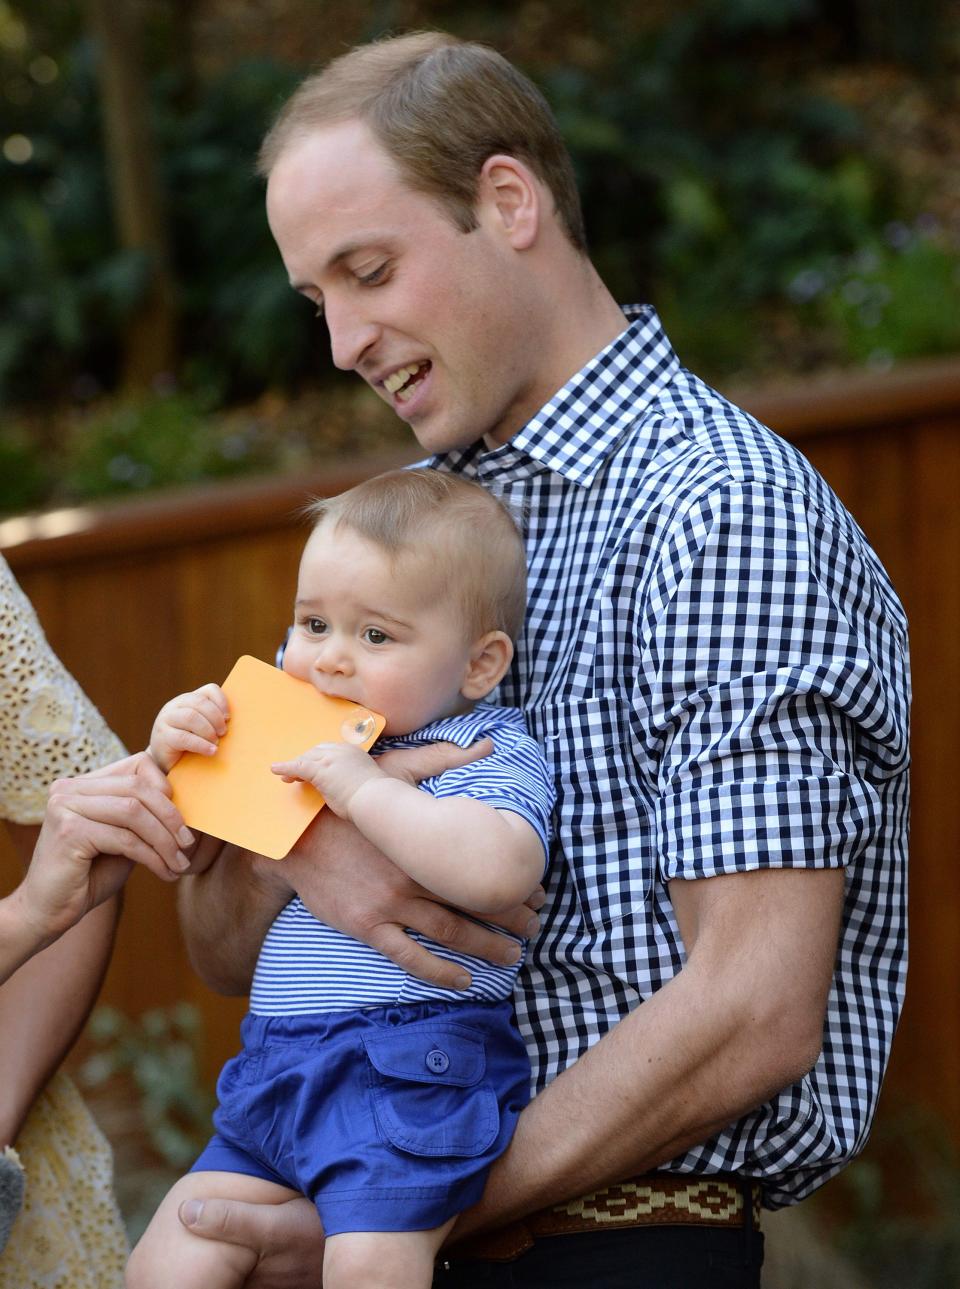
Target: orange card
(234, 795)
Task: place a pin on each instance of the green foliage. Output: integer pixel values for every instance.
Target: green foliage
(149, 1065)
(718, 172)
(72, 291)
(706, 187)
(24, 470)
(246, 329)
(153, 441)
(66, 285)
(896, 298)
(159, 1054)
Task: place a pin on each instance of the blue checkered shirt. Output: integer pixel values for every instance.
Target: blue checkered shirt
(716, 666)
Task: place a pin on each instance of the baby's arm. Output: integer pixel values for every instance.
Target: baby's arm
(465, 851)
(193, 722)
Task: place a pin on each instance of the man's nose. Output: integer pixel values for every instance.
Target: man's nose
(352, 334)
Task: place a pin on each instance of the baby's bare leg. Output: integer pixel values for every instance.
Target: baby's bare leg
(382, 1259)
(167, 1254)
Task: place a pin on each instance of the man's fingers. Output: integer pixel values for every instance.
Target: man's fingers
(262, 1227)
(536, 899)
(286, 1237)
(416, 764)
(415, 960)
(521, 921)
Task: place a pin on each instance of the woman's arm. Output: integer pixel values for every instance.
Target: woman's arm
(64, 911)
(45, 1004)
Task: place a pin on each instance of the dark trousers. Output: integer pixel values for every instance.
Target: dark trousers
(639, 1257)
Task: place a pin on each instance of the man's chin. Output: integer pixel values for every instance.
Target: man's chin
(436, 438)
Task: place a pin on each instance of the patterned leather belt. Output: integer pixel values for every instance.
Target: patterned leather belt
(654, 1199)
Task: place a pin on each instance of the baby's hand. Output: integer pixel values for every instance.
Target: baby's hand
(337, 770)
(193, 722)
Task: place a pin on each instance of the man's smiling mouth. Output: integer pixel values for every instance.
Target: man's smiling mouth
(400, 384)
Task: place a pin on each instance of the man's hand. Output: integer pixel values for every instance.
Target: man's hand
(344, 881)
(356, 889)
(287, 1238)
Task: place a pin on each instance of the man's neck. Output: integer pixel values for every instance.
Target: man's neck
(586, 318)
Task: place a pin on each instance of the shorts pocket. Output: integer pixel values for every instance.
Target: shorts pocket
(430, 1092)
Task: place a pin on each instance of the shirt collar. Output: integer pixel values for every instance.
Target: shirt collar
(577, 429)
(463, 730)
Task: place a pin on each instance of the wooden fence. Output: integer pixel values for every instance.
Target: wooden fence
(145, 600)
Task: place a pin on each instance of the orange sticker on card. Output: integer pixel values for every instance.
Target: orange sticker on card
(235, 795)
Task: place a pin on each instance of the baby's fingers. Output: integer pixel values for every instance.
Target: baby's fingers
(192, 729)
(212, 701)
(292, 771)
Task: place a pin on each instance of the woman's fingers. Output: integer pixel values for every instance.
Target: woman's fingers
(148, 827)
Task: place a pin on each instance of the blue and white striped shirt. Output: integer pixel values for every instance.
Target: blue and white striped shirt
(716, 666)
(306, 966)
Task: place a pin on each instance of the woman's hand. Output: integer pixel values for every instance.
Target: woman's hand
(96, 827)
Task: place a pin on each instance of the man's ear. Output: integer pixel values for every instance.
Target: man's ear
(513, 195)
(489, 659)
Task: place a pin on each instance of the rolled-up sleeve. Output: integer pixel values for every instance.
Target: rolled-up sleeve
(775, 716)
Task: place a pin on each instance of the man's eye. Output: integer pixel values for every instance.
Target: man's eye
(374, 636)
(374, 276)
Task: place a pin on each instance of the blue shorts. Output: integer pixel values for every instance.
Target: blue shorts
(388, 1119)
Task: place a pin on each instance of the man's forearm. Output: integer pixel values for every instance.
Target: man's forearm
(225, 912)
(628, 1105)
(740, 1022)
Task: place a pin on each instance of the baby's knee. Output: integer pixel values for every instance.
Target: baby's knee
(379, 1260)
(349, 1263)
(144, 1269)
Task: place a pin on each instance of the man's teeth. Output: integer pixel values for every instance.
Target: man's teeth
(399, 378)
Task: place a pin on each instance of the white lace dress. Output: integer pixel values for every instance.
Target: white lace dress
(69, 1234)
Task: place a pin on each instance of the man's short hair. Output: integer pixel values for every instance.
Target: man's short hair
(439, 107)
(465, 539)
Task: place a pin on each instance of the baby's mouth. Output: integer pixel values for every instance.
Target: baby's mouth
(400, 384)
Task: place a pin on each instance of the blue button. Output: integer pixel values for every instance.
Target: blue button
(438, 1062)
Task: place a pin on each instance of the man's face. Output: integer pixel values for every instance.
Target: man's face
(433, 319)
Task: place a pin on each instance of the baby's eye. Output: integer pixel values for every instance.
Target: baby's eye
(374, 636)
(316, 626)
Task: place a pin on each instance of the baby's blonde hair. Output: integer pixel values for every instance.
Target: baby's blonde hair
(460, 532)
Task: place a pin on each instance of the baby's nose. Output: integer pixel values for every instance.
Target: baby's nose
(333, 657)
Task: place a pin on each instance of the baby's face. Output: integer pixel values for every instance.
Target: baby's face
(375, 631)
